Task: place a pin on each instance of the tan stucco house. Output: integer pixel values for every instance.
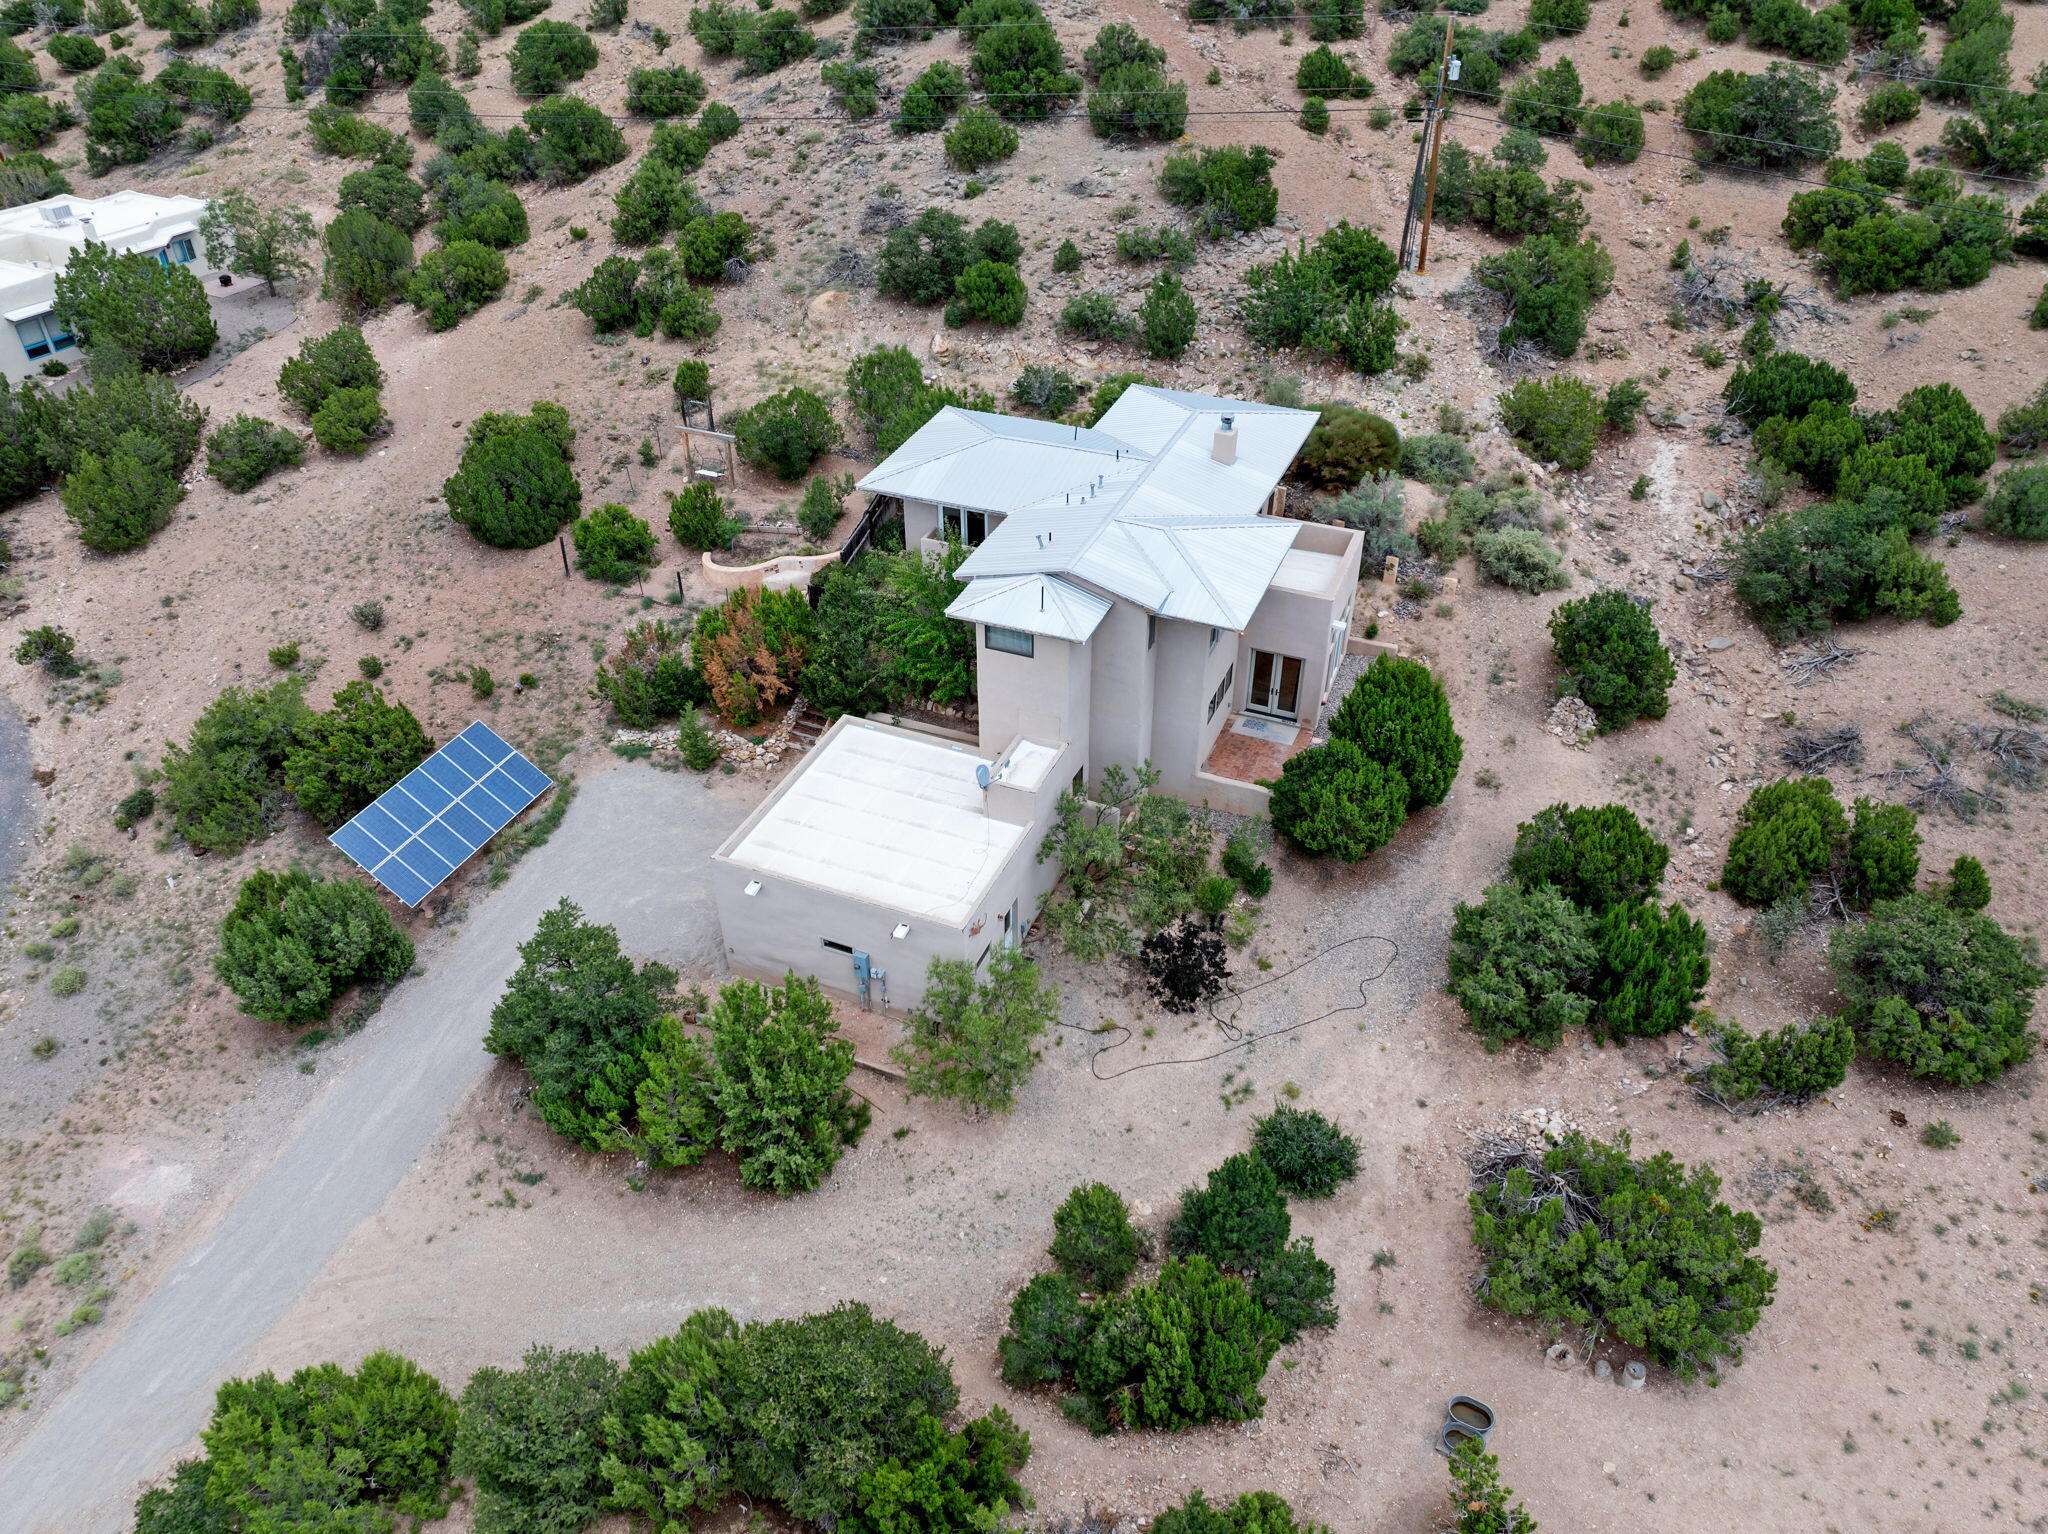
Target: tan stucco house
(1134, 598)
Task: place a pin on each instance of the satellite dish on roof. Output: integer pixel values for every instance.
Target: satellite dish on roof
(981, 775)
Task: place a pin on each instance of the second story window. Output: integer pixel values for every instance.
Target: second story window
(1151, 630)
(1010, 641)
(1222, 691)
(1214, 635)
(966, 526)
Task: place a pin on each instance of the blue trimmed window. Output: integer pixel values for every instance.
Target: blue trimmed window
(43, 334)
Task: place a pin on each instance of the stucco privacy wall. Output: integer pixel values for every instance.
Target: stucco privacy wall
(879, 828)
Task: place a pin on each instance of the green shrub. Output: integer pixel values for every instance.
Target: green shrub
(573, 1014)
(823, 504)
(548, 55)
(2018, 505)
(1095, 317)
(354, 1448)
(49, 647)
(1188, 1348)
(1774, 120)
(1295, 1288)
(349, 420)
(699, 518)
(1327, 299)
(223, 787)
(1093, 1240)
(1436, 458)
(785, 433)
(1520, 559)
(921, 262)
(530, 1441)
(75, 53)
(1310, 1156)
(1554, 419)
(1785, 384)
(932, 98)
(972, 1038)
(946, 1480)
(367, 262)
(778, 1083)
(1396, 714)
(1049, 1326)
(343, 759)
(388, 195)
(1166, 318)
(1650, 972)
(140, 803)
(1333, 800)
(1610, 655)
(1237, 1220)
(293, 943)
(1648, 1254)
(613, 545)
(514, 488)
(1138, 101)
(476, 209)
(980, 138)
(1228, 189)
(1944, 992)
(1519, 962)
(1595, 856)
(246, 451)
(990, 291)
(1791, 1065)
(1346, 444)
(1969, 887)
(664, 91)
(344, 134)
(1842, 558)
(1548, 283)
(1787, 834)
(132, 308)
(452, 283)
(648, 678)
(1045, 390)
(340, 359)
(126, 119)
(121, 501)
(1882, 857)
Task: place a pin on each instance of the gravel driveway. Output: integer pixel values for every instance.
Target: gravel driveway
(632, 851)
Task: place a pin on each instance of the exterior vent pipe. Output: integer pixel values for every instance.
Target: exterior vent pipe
(1224, 448)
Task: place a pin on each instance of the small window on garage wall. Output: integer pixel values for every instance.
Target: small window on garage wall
(1010, 641)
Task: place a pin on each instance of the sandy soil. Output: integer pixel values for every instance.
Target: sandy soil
(156, 1097)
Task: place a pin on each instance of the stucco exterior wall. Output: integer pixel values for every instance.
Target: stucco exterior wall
(1189, 673)
(1124, 683)
(1044, 696)
(920, 521)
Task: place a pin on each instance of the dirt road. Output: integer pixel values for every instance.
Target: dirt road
(631, 852)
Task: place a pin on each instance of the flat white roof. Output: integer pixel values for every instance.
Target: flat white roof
(1307, 571)
(886, 818)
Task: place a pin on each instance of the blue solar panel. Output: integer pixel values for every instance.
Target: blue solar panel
(422, 828)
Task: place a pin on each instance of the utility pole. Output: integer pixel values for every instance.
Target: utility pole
(1425, 159)
(1436, 138)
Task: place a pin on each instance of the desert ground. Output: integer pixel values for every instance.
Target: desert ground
(1894, 1384)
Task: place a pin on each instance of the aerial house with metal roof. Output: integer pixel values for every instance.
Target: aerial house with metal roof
(1135, 599)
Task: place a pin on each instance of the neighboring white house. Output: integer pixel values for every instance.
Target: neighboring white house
(1134, 598)
(37, 240)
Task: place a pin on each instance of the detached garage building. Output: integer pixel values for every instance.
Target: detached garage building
(885, 849)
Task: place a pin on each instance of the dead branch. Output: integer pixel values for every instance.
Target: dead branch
(1717, 290)
(2019, 756)
(1812, 753)
(1818, 662)
(1932, 780)
(1706, 574)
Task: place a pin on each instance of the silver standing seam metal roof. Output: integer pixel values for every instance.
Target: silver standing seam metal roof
(1137, 506)
(1036, 604)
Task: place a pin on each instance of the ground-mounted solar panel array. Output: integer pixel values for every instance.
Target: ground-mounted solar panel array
(422, 828)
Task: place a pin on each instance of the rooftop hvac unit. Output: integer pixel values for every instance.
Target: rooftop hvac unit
(57, 213)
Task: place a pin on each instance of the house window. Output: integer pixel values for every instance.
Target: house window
(179, 252)
(1010, 641)
(1151, 630)
(1222, 691)
(964, 525)
(1214, 635)
(42, 334)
